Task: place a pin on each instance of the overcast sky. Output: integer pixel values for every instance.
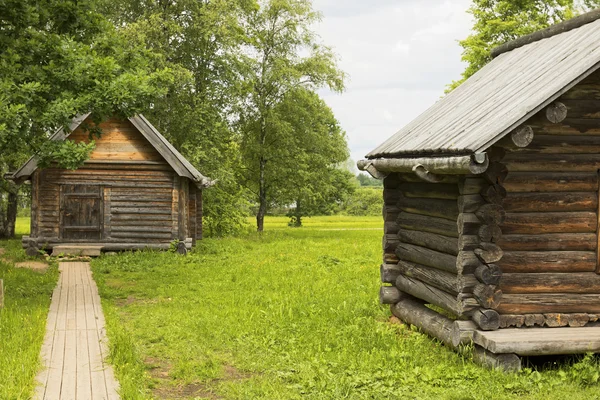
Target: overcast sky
(399, 55)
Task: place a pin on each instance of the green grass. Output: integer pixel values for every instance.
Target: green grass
(22, 320)
(290, 314)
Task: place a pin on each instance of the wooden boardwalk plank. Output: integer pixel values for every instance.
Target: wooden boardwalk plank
(75, 343)
(540, 341)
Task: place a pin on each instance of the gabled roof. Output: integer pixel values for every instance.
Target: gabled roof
(179, 164)
(502, 95)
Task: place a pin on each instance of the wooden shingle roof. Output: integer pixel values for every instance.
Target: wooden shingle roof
(175, 160)
(501, 96)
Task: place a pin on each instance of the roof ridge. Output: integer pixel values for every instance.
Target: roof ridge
(553, 30)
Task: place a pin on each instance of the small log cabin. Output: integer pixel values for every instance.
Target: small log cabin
(135, 191)
(491, 212)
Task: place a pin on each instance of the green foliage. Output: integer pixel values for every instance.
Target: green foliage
(291, 314)
(22, 322)
(200, 41)
(286, 149)
(365, 201)
(367, 180)
(500, 21)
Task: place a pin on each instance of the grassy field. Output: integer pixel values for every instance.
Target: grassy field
(291, 314)
(22, 320)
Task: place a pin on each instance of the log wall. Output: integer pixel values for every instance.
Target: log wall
(144, 201)
(550, 237)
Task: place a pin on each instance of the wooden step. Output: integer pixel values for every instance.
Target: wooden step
(76, 250)
(540, 341)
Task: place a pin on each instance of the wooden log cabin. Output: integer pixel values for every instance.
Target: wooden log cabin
(135, 191)
(491, 230)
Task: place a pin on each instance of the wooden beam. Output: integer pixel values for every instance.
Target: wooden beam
(549, 242)
(489, 274)
(460, 165)
(389, 273)
(446, 281)
(547, 261)
(430, 191)
(433, 241)
(550, 222)
(551, 182)
(488, 320)
(543, 303)
(519, 138)
(428, 257)
(508, 362)
(389, 295)
(424, 223)
(440, 208)
(572, 282)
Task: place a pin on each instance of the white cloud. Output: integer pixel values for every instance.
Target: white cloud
(399, 54)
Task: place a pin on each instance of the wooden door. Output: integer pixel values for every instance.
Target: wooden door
(81, 212)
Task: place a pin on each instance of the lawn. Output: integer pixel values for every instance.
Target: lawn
(23, 318)
(290, 314)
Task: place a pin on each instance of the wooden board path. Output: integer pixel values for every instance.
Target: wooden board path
(75, 344)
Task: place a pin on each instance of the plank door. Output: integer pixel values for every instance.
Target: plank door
(81, 212)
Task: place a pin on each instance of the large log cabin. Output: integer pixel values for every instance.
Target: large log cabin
(491, 203)
(135, 191)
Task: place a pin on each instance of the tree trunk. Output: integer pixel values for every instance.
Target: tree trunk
(262, 197)
(11, 214)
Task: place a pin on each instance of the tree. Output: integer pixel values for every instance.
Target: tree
(308, 157)
(284, 60)
(201, 41)
(58, 59)
(366, 180)
(500, 21)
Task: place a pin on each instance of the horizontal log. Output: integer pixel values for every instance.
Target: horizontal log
(424, 256)
(494, 194)
(486, 319)
(472, 185)
(424, 223)
(447, 209)
(141, 228)
(429, 240)
(496, 173)
(467, 262)
(551, 182)
(550, 222)
(519, 138)
(491, 214)
(583, 282)
(389, 243)
(435, 296)
(553, 144)
(390, 212)
(551, 201)
(414, 312)
(389, 295)
(141, 235)
(411, 177)
(116, 218)
(446, 281)
(437, 165)
(392, 181)
(468, 242)
(430, 190)
(550, 242)
(548, 261)
(140, 210)
(462, 332)
(389, 273)
(549, 303)
(469, 224)
(507, 362)
(553, 162)
(390, 227)
(488, 296)
(469, 203)
(489, 274)
(488, 253)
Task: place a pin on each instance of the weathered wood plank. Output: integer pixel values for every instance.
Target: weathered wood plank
(551, 201)
(547, 261)
(551, 222)
(446, 281)
(429, 240)
(541, 303)
(549, 242)
(583, 282)
(416, 222)
(519, 162)
(430, 190)
(439, 208)
(425, 256)
(572, 144)
(551, 182)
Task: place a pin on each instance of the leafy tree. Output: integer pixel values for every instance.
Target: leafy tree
(285, 60)
(58, 59)
(366, 201)
(500, 21)
(366, 180)
(201, 41)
